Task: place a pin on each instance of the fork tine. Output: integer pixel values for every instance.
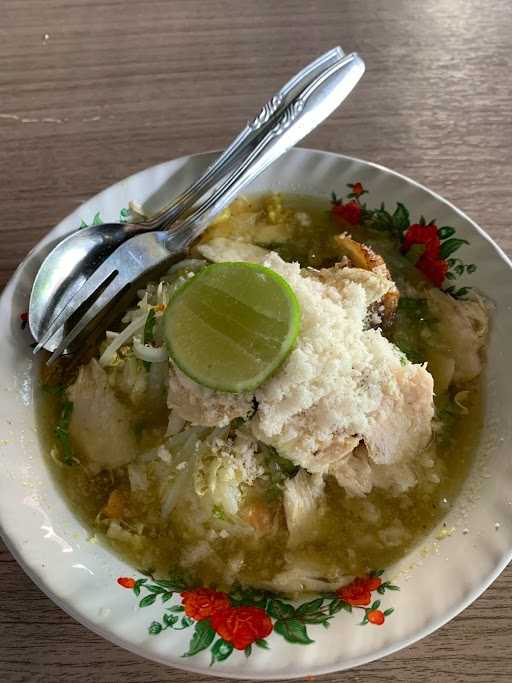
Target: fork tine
(73, 303)
(106, 297)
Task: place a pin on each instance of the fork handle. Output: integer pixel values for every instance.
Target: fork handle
(245, 142)
(312, 106)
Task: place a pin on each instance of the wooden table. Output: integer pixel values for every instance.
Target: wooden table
(92, 91)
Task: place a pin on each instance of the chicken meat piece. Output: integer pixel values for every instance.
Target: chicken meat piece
(221, 249)
(462, 331)
(375, 285)
(100, 424)
(302, 499)
(401, 427)
(362, 256)
(358, 475)
(202, 406)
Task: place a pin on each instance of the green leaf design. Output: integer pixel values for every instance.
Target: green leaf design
(83, 224)
(445, 232)
(346, 606)
(138, 584)
(316, 618)
(170, 584)
(391, 587)
(152, 588)
(177, 608)
(293, 630)
(382, 219)
(450, 246)
(312, 612)
(167, 596)
(221, 651)
(170, 619)
(309, 607)
(203, 637)
(339, 605)
(401, 219)
(451, 276)
(155, 628)
(280, 610)
(248, 651)
(148, 600)
(471, 268)
(97, 219)
(123, 215)
(186, 622)
(380, 572)
(262, 643)
(388, 611)
(375, 605)
(459, 269)
(459, 293)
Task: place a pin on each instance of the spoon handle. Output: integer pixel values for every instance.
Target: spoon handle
(245, 142)
(308, 110)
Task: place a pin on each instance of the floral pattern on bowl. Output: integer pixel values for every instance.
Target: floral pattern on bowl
(242, 618)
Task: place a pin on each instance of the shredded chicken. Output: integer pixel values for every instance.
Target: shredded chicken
(302, 499)
(462, 330)
(100, 424)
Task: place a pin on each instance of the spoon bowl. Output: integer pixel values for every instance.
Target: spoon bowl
(67, 268)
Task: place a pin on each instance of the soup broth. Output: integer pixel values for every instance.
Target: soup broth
(352, 534)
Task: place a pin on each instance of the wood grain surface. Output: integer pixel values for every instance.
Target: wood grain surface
(92, 91)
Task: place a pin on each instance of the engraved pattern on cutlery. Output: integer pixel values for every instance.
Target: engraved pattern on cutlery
(288, 117)
(266, 112)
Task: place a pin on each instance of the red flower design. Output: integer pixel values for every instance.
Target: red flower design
(24, 317)
(358, 189)
(375, 616)
(347, 213)
(126, 582)
(423, 234)
(202, 603)
(241, 626)
(431, 265)
(433, 269)
(359, 592)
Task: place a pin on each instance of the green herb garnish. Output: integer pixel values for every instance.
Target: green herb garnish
(62, 433)
(149, 333)
(218, 512)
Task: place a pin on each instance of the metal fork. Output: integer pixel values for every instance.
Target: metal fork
(66, 268)
(144, 253)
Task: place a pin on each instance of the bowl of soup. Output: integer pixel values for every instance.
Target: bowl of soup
(254, 528)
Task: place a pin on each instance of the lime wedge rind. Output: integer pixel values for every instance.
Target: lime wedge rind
(211, 326)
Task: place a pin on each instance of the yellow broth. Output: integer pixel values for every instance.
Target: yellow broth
(354, 534)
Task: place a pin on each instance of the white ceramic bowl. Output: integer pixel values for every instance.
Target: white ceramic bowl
(437, 580)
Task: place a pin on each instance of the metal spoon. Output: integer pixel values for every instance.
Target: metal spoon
(68, 266)
(142, 254)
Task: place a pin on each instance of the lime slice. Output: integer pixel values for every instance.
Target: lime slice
(232, 325)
